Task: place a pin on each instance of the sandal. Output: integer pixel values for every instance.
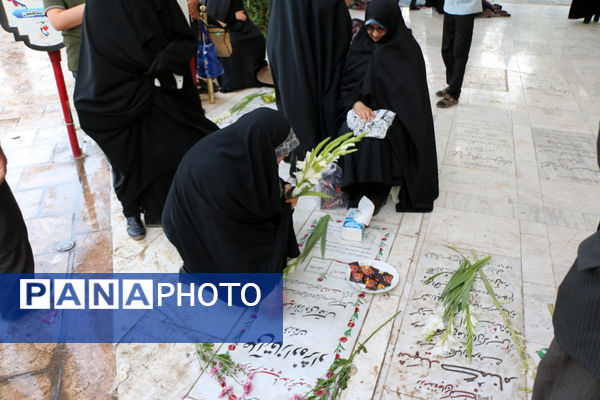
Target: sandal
(447, 101)
(442, 93)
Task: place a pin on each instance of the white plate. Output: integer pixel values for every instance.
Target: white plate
(382, 267)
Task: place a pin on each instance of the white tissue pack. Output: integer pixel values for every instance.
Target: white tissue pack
(357, 219)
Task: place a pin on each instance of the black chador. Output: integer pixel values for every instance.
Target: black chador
(247, 42)
(225, 211)
(307, 45)
(143, 129)
(390, 74)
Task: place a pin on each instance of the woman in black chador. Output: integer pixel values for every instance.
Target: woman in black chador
(143, 127)
(385, 71)
(226, 211)
(247, 43)
(585, 9)
(307, 44)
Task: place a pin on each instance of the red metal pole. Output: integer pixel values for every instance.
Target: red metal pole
(64, 101)
(193, 68)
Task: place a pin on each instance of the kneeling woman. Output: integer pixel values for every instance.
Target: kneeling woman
(226, 210)
(385, 71)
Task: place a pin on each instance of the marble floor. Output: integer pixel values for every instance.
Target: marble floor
(518, 181)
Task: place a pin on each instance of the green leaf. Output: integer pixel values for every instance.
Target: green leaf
(431, 278)
(313, 193)
(324, 235)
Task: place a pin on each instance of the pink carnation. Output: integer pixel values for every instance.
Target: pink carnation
(247, 388)
(226, 391)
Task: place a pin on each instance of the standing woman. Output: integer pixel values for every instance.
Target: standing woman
(143, 127)
(307, 45)
(226, 211)
(585, 9)
(385, 71)
(247, 42)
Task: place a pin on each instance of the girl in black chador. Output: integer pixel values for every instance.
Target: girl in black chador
(385, 71)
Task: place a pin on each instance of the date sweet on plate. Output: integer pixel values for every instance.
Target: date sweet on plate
(370, 276)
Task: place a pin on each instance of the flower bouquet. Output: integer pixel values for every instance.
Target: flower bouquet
(308, 174)
(317, 161)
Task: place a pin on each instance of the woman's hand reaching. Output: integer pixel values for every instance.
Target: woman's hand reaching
(287, 190)
(363, 111)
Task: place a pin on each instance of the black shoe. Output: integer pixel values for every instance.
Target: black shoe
(379, 206)
(152, 221)
(135, 228)
(596, 17)
(587, 19)
(415, 7)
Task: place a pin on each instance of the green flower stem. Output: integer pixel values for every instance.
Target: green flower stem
(339, 372)
(513, 333)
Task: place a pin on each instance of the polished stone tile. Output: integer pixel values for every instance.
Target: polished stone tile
(481, 205)
(48, 175)
(559, 274)
(533, 228)
(93, 252)
(481, 183)
(83, 379)
(368, 365)
(160, 257)
(536, 260)
(490, 234)
(565, 156)
(411, 224)
(564, 243)
(53, 262)
(561, 120)
(27, 387)
(59, 200)
(538, 321)
(156, 371)
(29, 202)
(573, 196)
(44, 233)
(21, 358)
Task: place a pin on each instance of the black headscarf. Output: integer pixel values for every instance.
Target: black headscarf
(224, 212)
(144, 130)
(390, 74)
(307, 43)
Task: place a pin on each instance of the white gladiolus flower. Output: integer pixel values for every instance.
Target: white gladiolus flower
(311, 175)
(434, 324)
(299, 177)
